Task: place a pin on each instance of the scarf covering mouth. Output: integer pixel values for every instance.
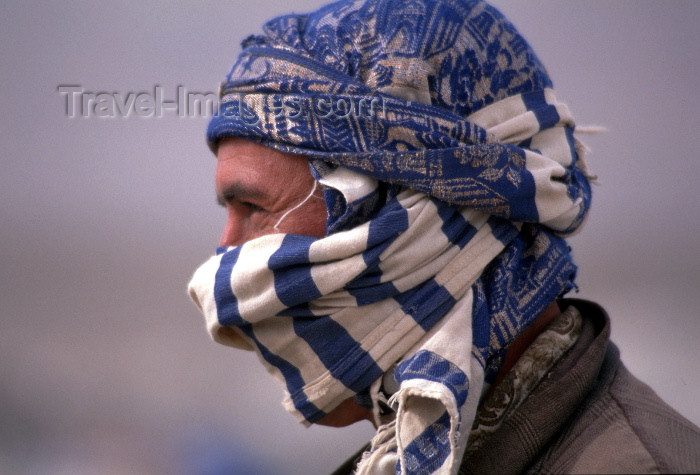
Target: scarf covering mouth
(450, 173)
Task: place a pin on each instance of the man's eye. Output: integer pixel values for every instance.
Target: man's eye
(251, 206)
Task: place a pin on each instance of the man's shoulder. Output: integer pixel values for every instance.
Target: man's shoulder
(623, 427)
(589, 415)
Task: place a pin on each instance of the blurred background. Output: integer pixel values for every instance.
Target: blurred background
(105, 365)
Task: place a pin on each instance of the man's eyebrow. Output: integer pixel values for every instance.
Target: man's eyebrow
(240, 192)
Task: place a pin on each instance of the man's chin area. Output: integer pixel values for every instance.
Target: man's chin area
(348, 412)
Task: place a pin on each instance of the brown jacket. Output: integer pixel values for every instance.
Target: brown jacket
(590, 415)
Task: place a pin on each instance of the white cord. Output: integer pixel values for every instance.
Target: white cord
(313, 189)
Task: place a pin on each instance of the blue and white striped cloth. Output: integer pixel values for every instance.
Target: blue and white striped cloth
(445, 214)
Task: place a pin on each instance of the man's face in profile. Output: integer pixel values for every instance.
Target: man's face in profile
(265, 192)
(257, 185)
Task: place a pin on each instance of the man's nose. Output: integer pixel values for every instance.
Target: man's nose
(234, 232)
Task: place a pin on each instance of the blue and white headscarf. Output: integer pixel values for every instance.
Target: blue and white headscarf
(450, 172)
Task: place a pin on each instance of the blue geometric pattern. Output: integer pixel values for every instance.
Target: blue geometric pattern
(432, 367)
(462, 55)
(427, 452)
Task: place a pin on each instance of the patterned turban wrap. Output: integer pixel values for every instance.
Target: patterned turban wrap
(450, 173)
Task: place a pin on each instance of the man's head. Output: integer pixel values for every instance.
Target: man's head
(444, 213)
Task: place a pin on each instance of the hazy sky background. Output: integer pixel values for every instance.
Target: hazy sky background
(105, 365)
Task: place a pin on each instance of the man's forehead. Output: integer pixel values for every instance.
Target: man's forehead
(247, 169)
(250, 153)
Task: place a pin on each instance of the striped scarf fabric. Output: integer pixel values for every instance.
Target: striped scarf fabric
(450, 173)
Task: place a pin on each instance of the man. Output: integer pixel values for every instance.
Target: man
(399, 178)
